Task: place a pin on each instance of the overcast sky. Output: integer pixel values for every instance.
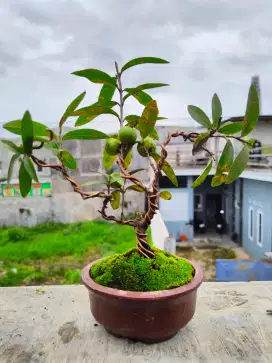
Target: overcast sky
(212, 46)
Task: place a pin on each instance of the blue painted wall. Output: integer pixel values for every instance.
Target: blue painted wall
(230, 270)
(258, 195)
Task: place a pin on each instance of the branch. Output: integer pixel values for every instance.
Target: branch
(125, 174)
(238, 138)
(62, 169)
(153, 194)
(113, 218)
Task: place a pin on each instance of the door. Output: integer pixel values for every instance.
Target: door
(213, 208)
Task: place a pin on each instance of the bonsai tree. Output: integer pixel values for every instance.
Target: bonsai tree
(135, 130)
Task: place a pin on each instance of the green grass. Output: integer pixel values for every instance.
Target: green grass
(55, 253)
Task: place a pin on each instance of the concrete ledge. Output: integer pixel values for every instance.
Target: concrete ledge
(53, 324)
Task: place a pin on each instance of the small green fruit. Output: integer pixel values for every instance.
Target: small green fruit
(147, 146)
(112, 146)
(127, 135)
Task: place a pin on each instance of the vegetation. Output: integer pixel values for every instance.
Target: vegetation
(131, 271)
(54, 253)
(137, 132)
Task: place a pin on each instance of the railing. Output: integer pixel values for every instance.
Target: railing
(180, 156)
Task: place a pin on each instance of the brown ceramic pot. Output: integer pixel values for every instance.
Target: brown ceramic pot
(145, 316)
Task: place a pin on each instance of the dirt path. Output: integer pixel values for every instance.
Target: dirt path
(206, 258)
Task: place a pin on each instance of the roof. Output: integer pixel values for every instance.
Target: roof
(263, 118)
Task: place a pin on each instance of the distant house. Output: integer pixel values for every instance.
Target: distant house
(242, 210)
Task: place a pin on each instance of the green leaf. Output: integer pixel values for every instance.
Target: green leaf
(93, 182)
(239, 165)
(142, 97)
(136, 90)
(54, 146)
(89, 113)
(251, 142)
(218, 179)
(30, 168)
(67, 159)
(24, 180)
(11, 146)
(165, 195)
(252, 111)
(41, 139)
(106, 93)
(148, 119)
(135, 171)
(167, 169)
(96, 76)
(154, 134)
(200, 142)
(169, 172)
(143, 60)
(226, 158)
(199, 116)
(96, 110)
(216, 110)
(85, 134)
(203, 176)
(84, 119)
(137, 188)
(71, 108)
(38, 128)
(132, 120)
(27, 132)
(116, 178)
(12, 162)
(128, 159)
(108, 160)
(231, 128)
(115, 202)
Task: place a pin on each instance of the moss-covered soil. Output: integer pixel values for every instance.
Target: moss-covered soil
(131, 271)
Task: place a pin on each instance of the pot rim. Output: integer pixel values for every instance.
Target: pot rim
(138, 295)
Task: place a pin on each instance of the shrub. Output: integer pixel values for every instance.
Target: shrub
(16, 234)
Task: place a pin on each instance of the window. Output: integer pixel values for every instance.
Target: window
(260, 228)
(39, 168)
(198, 203)
(250, 223)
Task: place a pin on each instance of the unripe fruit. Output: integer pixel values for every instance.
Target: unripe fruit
(127, 135)
(147, 146)
(112, 146)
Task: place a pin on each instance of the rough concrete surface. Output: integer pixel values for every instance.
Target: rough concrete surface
(53, 324)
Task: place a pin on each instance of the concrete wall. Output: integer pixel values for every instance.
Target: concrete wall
(64, 207)
(159, 231)
(258, 196)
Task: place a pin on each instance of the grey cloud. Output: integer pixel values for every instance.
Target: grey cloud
(45, 40)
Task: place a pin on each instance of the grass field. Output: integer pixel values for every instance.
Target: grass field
(54, 253)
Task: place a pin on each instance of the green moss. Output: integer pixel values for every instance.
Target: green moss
(131, 271)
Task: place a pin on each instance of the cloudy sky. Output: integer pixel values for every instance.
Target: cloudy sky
(212, 46)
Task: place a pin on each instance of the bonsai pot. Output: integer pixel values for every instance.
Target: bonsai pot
(149, 317)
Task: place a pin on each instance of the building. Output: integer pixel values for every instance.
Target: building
(53, 198)
(241, 210)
